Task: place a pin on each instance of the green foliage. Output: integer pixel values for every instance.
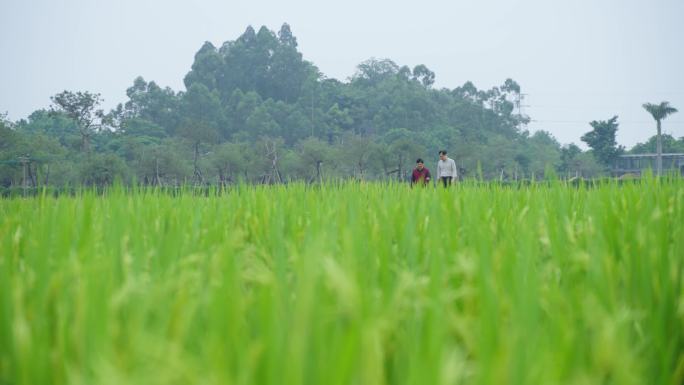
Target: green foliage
(670, 145)
(230, 162)
(659, 111)
(602, 141)
(402, 148)
(202, 115)
(262, 62)
(149, 102)
(362, 283)
(103, 169)
(569, 159)
(81, 108)
(315, 152)
(53, 124)
(259, 86)
(355, 154)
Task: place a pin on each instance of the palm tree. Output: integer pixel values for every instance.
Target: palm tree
(659, 112)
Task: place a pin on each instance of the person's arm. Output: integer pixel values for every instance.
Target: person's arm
(454, 173)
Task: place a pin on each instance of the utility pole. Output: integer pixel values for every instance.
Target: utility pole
(272, 155)
(519, 104)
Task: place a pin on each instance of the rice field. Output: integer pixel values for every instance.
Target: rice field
(346, 284)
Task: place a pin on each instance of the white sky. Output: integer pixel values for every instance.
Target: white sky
(576, 60)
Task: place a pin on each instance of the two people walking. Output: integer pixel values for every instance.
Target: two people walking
(446, 171)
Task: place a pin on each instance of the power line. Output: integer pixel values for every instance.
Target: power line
(619, 121)
(606, 92)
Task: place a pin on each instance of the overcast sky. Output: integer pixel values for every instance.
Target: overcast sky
(576, 60)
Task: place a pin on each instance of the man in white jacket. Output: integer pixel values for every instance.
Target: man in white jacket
(446, 169)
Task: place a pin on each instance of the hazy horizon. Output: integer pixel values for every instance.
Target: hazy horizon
(576, 62)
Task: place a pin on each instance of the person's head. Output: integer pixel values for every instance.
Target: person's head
(442, 155)
(419, 164)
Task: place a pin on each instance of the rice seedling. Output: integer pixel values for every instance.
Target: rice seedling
(345, 284)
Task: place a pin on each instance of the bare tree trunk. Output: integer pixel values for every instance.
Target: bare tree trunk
(156, 171)
(85, 141)
(279, 176)
(197, 171)
(221, 176)
(318, 172)
(659, 151)
(24, 163)
(399, 168)
(31, 175)
(47, 174)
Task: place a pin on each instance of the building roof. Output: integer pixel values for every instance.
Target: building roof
(648, 155)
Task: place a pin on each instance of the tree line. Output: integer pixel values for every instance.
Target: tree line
(255, 110)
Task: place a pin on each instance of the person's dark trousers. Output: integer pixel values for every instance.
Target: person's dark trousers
(446, 180)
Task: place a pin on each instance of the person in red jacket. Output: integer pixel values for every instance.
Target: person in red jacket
(421, 175)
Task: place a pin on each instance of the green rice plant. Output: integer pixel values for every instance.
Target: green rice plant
(353, 283)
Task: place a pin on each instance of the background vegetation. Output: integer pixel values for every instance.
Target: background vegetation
(255, 110)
